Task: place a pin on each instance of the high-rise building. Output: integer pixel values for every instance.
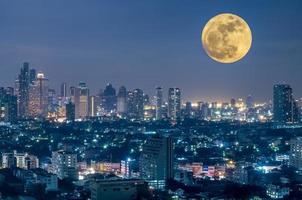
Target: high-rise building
(23, 90)
(126, 167)
(80, 98)
(52, 100)
(159, 103)
(8, 105)
(284, 107)
(122, 101)
(70, 111)
(156, 161)
(64, 164)
(63, 90)
(249, 101)
(38, 97)
(109, 98)
(72, 91)
(295, 157)
(188, 109)
(174, 103)
(94, 102)
(146, 99)
(135, 104)
(32, 76)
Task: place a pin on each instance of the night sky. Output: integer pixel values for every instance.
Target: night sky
(149, 43)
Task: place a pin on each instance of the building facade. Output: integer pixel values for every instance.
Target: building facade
(174, 103)
(156, 161)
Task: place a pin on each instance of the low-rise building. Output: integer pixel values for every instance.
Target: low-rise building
(118, 189)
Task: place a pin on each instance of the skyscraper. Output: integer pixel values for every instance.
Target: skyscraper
(249, 101)
(63, 92)
(174, 103)
(38, 97)
(8, 105)
(122, 101)
(284, 106)
(159, 103)
(295, 157)
(82, 101)
(32, 76)
(156, 161)
(109, 98)
(72, 91)
(94, 102)
(70, 111)
(52, 100)
(188, 110)
(135, 104)
(23, 90)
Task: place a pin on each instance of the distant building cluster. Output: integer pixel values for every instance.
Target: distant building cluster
(33, 98)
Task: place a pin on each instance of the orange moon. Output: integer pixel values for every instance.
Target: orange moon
(226, 38)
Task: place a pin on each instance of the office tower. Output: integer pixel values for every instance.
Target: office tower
(70, 111)
(188, 109)
(32, 76)
(146, 99)
(38, 97)
(130, 104)
(156, 161)
(94, 102)
(109, 98)
(199, 109)
(284, 106)
(295, 157)
(16, 90)
(23, 97)
(174, 103)
(80, 97)
(63, 90)
(8, 105)
(249, 101)
(122, 101)
(139, 100)
(52, 100)
(159, 103)
(135, 102)
(72, 94)
(64, 164)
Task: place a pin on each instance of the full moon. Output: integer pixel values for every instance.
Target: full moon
(226, 38)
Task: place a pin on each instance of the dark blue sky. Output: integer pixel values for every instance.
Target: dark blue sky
(146, 43)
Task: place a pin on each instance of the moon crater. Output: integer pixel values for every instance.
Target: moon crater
(226, 38)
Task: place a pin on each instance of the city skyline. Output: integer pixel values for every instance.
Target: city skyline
(143, 44)
(68, 87)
